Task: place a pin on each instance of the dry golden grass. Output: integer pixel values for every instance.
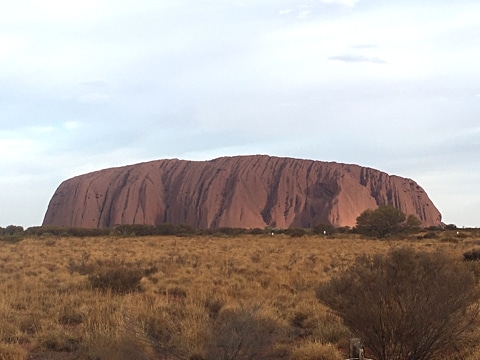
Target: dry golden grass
(200, 296)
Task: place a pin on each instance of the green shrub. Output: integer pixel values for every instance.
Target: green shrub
(48, 231)
(12, 238)
(322, 229)
(184, 230)
(386, 221)
(257, 231)
(295, 232)
(135, 230)
(165, 229)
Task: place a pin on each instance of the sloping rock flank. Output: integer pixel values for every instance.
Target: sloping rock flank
(242, 191)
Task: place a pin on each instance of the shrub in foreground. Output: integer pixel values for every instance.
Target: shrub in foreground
(406, 305)
(242, 333)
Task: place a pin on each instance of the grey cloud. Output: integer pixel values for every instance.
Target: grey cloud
(357, 58)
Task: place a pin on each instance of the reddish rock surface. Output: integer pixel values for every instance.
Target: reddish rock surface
(241, 191)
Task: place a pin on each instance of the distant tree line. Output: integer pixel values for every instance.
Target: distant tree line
(383, 222)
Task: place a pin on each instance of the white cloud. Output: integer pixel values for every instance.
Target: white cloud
(468, 132)
(94, 98)
(304, 14)
(365, 46)
(285, 12)
(12, 44)
(41, 130)
(51, 10)
(350, 3)
(72, 125)
(349, 58)
(14, 150)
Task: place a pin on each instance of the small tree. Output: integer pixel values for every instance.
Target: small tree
(385, 221)
(13, 230)
(412, 224)
(12, 233)
(406, 305)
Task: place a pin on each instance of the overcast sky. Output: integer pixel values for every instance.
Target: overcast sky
(90, 84)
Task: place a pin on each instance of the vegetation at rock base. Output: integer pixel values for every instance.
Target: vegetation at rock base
(386, 221)
(12, 233)
(383, 222)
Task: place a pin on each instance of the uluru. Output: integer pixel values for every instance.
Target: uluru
(242, 191)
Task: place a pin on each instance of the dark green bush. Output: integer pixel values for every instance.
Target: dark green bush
(184, 229)
(48, 231)
(322, 229)
(135, 230)
(386, 221)
(257, 231)
(165, 229)
(12, 230)
(343, 229)
(12, 233)
(295, 232)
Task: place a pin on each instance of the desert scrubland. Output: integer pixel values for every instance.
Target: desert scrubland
(192, 297)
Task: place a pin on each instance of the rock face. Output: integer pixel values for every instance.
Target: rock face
(242, 191)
